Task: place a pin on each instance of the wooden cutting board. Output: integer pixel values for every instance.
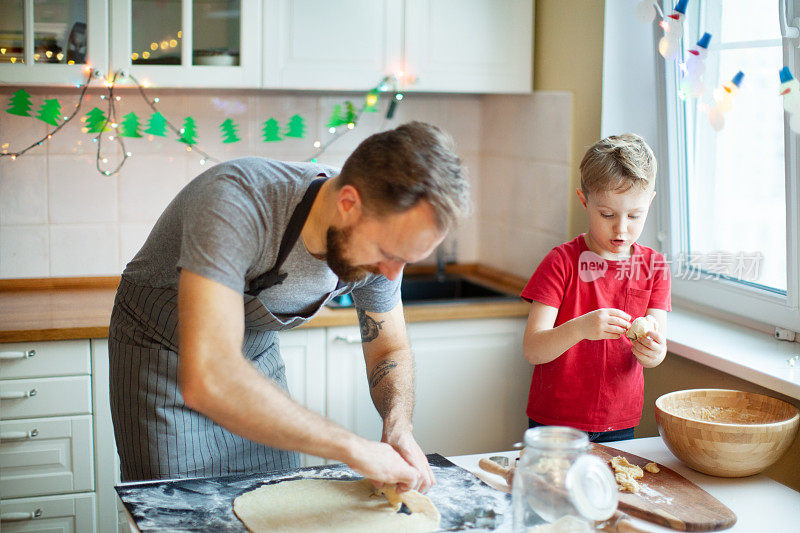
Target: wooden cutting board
(669, 499)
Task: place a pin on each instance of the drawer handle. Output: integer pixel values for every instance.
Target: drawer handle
(17, 395)
(19, 517)
(19, 435)
(10, 356)
(349, 339)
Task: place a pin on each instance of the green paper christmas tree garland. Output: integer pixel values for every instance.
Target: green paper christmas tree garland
(97, 121)
(271, 131)
(129, 127)
(229, 128)
(20, 103)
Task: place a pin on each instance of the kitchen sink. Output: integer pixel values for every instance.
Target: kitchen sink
(430, 288)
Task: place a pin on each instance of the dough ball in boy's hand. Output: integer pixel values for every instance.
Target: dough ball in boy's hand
(641, 327)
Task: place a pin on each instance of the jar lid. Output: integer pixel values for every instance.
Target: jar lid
(591, 488)
(556, 438)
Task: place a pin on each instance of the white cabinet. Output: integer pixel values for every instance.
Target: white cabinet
(46, 456)
(303, 352)
(47, 474)
(346, 389)
(66, 513)
(51, 42)
(319, 44)
(188, 43)
(479, 46)
(471, 384)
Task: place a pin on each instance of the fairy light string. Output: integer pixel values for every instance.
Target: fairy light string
(49, 135)
(389, 84)
(177, 131)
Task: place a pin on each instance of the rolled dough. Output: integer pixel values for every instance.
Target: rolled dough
(309, 505)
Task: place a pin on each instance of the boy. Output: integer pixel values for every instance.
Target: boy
(585, 294)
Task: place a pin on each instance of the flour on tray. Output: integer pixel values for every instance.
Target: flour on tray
(653, 495)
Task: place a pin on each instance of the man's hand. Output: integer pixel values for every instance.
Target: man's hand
(601, 324)
(650, 350)
(404, 443)
(380, 463)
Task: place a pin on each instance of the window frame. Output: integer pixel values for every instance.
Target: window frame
(724, 296)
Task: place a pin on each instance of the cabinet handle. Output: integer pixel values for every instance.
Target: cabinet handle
(349, 339)
(19, 517)
(10, 356)
(19, 435)
(17, 395)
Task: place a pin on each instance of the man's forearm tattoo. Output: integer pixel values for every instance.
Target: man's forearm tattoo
(369, 326)
(380, 371)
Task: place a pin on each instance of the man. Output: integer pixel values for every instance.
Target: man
(254, 246)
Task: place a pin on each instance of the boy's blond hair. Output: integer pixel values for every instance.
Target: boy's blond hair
(618, 163)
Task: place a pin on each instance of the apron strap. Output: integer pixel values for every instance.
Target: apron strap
(290, 236)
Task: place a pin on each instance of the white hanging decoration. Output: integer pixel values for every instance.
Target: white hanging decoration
(790, 90)
(723, 98)
(670, 43)
(694, 68)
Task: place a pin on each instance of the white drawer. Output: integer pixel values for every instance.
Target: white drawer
(44, 359)
(34, 398)
(68, 513)
(46, 456)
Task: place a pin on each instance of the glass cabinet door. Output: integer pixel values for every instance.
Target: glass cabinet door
(49, 41)
(188, 43)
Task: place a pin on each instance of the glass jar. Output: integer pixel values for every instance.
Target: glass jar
(556, 477)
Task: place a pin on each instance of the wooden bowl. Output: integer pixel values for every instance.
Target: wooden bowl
(726, 433)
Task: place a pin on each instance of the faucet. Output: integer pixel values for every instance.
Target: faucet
(441, 260)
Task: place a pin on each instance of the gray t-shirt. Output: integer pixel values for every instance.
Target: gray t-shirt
(227, 225)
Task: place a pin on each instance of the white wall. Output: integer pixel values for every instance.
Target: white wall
(59, 217)
(524, 179)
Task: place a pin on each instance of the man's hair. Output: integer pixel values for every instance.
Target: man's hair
(395, 170)
(618, 163)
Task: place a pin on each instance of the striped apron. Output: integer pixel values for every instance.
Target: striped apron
(157, 435)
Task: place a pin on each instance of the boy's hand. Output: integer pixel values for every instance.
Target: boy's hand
(650, 350)
(607, 323)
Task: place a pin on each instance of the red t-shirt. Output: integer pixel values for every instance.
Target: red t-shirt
(594, 385)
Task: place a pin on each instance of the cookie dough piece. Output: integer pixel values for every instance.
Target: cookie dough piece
(325, 505)
(641, 326)
(652, 468)
(621, 464)
(416, 502)
(626, 483)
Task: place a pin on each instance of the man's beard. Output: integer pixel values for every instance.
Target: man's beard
(335, 244)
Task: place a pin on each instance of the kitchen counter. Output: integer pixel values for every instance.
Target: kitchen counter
(80, 308)
(760, 503)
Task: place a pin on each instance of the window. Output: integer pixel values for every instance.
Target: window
(732, 196)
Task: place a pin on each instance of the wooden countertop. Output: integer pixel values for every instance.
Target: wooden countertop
(80, 308)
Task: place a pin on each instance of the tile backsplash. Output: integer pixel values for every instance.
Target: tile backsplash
(59, 217)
